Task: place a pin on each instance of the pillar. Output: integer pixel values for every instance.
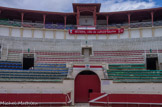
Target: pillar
(107, 18)
(0, 12)
(78, 16)
(129, 19)
(65, 21)
(152, 18)
(32, 33)
(94, 16)
(44, 19)
(22, 18)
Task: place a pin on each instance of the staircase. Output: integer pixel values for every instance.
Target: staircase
(13, 55)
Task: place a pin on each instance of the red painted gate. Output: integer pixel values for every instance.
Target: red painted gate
(84, 85)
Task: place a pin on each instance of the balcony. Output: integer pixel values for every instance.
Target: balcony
(67, 27)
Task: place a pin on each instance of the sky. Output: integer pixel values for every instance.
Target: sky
(66, 5)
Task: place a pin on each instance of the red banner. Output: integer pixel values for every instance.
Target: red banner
(110, 31)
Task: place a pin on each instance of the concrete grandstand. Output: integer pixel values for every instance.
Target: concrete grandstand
(102, 58)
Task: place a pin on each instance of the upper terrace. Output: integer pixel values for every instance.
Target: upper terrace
(83, 15)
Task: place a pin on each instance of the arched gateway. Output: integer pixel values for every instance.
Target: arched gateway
(86, 82)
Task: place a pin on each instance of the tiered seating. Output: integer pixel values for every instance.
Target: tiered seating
(10, 65)
(133, 73)
(58, 57)
(10, 23)
(111, 57)
(13, 55)
(48, 56)
(58, 53)
(134, 56)
(30, 24)
(57, 60)
(41, 72)
(50, 67)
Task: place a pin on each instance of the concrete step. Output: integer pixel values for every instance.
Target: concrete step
(13, 54)
(14, 60)
(56, 56)
(13, 57)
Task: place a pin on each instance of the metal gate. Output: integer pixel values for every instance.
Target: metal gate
(84, 85)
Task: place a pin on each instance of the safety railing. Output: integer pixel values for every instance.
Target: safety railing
(10, 23)
(62, 26)
(140, 24)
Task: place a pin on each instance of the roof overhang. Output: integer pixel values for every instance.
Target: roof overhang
(75, 5)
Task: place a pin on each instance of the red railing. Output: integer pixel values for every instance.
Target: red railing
(125, 100)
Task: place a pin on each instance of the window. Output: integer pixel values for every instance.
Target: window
(87, 51)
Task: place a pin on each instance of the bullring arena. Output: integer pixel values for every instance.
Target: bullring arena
(109, 59)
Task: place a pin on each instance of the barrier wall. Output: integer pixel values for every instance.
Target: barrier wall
(125, 100)
(64, 34)
(35, 99)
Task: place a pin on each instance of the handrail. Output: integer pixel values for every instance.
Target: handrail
(2, 47)
(7, 53)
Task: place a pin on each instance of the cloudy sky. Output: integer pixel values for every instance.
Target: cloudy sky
(66, 5)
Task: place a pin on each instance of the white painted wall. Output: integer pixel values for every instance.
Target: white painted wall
(16, 32)
(158, 32)
(133, 88)
(98, 71)
(102, 37)
(114, 36)
(124, 35)
(92, 37)
(135, 33)
(81, 36)
(49, 34)
(107, 86)
(4, 31)
(27, 33)
(60, 35)
(38, 87)
(38, 33)
(147, 32)
(69, 36)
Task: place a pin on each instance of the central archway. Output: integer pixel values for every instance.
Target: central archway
(86, 82)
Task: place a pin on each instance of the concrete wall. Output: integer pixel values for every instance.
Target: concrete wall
(76, 45)
(160, 66)
(133, 88)
(38, 87)
(64, 34)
